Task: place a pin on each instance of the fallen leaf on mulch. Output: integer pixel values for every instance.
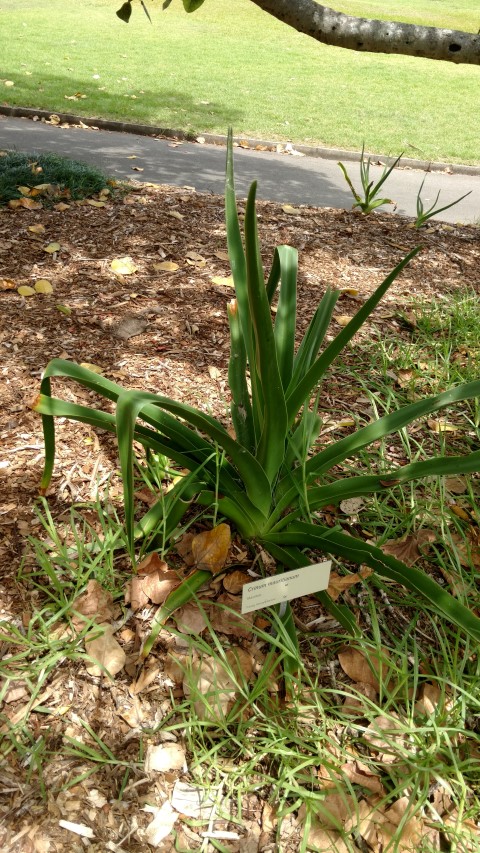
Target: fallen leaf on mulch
(339, 583)
(367, 670)
(95, 604)
(410, 548)
(210, 548)
(154, 587)
(190, 619)
(106, 653)
(228, 619)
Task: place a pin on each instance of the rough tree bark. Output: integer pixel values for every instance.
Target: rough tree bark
(372, 36)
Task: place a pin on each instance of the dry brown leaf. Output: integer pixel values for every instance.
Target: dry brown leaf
(360, 774)
(441, 425)
(28, 203)
(355, 705)
(211, 688)
(195, 258)
(460, 512)
(146, 677)
(362, 668)
(221, 255)
(339, 583)
(106, 653)
(95, 604)
(385, 735)
(235, 581)
(184, 549)
(408, 549)
(455, 485)
(343, 319)
(190, 619)
(335, 810)
(175, 666)
(228, 622)
(432, 700)
(152, 563)
(467, 548)
(210, 548)
(213, 684)
(154, 587)
(223, 281)
(37, 229)
(7, 284)
(241, 662)
(165, 266)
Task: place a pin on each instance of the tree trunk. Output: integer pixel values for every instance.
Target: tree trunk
(373, 36)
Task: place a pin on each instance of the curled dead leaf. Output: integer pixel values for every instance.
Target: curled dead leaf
(339, 583)
(409, 548)
(95, 604)
(226, 618)
(369, 669)
(210, 548)
(235, 581)
(106, 653)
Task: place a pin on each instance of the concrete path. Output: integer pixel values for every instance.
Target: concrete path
(281, 177)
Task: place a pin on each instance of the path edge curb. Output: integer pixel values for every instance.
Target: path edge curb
(252, 143)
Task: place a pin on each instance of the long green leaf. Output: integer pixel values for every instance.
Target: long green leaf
(301, 392)
(286, 317)
(340, 450)
(304, 535)
(367, 484)
(270, 450)
(238, 266)
(129, 406)
(313, 339)
(241, 407)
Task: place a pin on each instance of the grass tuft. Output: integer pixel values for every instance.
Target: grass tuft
(66, 177)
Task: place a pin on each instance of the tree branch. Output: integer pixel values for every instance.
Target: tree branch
(339, 30)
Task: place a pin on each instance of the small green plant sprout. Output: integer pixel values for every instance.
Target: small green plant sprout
(269, 480)
(369, 201)
(424, 215)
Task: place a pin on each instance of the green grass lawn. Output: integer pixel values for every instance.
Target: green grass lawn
(205, 71)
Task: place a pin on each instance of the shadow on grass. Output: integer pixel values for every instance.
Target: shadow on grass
(42, 94)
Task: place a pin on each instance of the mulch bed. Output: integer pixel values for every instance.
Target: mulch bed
(163, 330)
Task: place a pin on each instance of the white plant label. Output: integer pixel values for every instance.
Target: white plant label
(280, 588)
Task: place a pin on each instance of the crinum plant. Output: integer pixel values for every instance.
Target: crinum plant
(268, 480)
